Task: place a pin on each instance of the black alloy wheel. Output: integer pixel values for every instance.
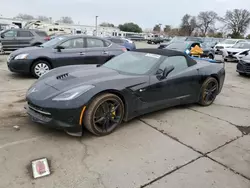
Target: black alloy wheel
(209, 91)
(104, 114)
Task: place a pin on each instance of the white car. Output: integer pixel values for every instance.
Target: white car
(228, 43)
(236, 52)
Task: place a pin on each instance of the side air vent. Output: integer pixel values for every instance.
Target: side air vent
(62, 76)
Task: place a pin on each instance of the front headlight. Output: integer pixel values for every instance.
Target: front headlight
(21, 56)
(73, 93)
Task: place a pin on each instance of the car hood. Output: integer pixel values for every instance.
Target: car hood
(235, 49)
(72, 77)
(224, 45)
(69, 77)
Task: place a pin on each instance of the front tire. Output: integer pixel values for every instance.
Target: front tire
(209, 91)
(242, 74)
(104, 114)
(39, 68)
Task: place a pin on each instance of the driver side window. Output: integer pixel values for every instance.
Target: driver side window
(10, 33)
(179, 63)
(73, 43)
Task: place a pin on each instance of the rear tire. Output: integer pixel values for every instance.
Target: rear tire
(210, 56)
(100, 106)
(209, 91)
(39, 68)
(37, 44)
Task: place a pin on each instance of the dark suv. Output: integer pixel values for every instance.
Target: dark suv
(13, 39)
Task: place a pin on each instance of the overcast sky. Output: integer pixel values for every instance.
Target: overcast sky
(143, 12)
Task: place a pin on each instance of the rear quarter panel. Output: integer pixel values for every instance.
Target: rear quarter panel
(210, 69)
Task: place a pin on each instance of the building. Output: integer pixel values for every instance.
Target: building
(51, 28)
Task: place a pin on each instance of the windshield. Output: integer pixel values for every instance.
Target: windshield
(133, 62)
(228, 41)
(194, 39)
(242, 45)
(181, 46)
(179, 39)
(52, 42)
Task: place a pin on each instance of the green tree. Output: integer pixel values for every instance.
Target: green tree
(106, 24)
(218, 35)
(248, 36)
(188, 25)
(130, 27)
(167, 29)
(157, 28)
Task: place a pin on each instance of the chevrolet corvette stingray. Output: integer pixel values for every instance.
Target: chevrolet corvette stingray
(101, 97)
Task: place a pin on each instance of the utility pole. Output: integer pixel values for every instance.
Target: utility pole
(96, 25)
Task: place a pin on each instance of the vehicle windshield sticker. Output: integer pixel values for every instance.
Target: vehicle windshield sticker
(153, 55)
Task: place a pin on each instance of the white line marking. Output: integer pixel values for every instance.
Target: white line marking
(20, 142)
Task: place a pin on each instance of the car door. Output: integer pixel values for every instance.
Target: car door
(9, 41)
(96, 51)
(71, 52)
(180, 85)
(24, 38)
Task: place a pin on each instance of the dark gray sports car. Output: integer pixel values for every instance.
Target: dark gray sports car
(99, 98)
(62, 51)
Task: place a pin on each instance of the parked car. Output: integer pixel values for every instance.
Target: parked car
(208, 50)
(186, 47)
(155, 40)
(62, 51)
(54, 35)
(237, 51)
(243, 65)
(228, 43)
(180, 39)
(134, 83)
(128, 44)
(175, 39)
(136, 38)
(14, 39)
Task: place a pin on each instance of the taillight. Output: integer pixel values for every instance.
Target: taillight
(47, 38)
(124, 49)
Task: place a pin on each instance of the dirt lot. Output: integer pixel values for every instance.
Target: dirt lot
(188, 146)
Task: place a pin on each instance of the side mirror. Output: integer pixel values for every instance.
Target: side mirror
(59, 48)
(2, 35)
(163, 74)
(167, 70)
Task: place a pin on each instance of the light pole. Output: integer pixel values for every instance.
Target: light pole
(96, 25)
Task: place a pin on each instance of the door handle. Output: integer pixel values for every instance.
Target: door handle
(141, 90)
(105, 52)
(82, 53)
